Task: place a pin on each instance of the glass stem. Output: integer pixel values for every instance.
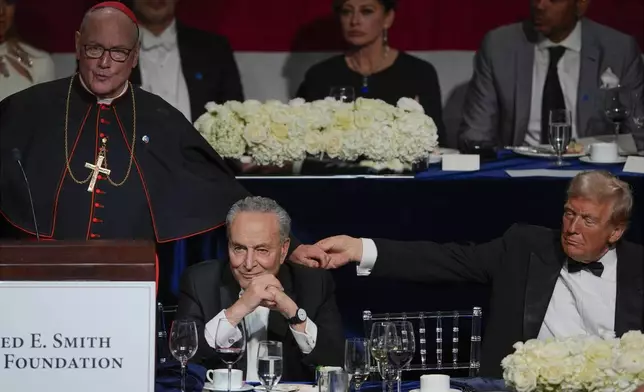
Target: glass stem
(230, 370)
(183, 376)
(617, 128)
(399, 378)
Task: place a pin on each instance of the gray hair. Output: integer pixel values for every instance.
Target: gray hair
(603, 187)
(265, 205)
(103, 8)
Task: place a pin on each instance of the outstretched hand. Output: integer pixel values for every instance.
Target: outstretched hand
(310, 255)
(341, 250)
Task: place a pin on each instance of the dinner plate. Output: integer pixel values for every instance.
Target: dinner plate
(208, 386)
(543, 151)
(437, 156)
(284, 387)
(586, 159)
(451, 390)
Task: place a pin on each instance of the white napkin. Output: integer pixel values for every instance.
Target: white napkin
(543, 173)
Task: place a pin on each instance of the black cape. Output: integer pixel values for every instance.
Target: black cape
(178, 185)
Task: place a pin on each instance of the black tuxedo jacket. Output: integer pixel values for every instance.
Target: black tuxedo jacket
(522, 268)
(208, 66)
(209, 287)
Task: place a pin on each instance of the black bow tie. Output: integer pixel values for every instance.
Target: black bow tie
(596, 268)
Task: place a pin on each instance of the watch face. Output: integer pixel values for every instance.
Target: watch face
(301, 314)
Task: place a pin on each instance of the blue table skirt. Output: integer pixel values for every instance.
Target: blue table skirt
(508, 160)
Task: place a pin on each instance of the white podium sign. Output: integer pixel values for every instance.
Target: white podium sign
(74, 336)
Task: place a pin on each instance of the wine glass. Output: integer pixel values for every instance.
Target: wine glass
(559, 132)
(230, 344)
(637, 113)
(343, 93)
(616, 110)
(357, 360)
(401, 347)
(269, 363)
(183, 344)
(378, 345)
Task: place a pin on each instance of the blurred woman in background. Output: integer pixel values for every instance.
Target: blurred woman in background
(372, 67)
(21, 65)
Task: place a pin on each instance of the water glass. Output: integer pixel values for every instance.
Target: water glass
(616, 107)
(380, 332)
(560, 132)
(343, 93)
(183, 344)
(357, 360)
(401, 347)
(637, 113)
(338, 381)
(269, 363)
(230, 344)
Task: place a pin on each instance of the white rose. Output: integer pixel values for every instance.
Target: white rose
(280, 131)
(344, 119)
(553, 374)
(255, 133)
(211, 107)
(314, 143)
(524, 381)
(333, 143)
(630, 362)
(297, 102)
(364, 119)
(410, 105)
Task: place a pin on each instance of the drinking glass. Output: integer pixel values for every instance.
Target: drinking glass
(401, 347)
(559, 132)
(183, 344)
(616, 107)
(269, 363)
(380, 331)
(343, 93)
(637, 113)
(230, 344)
(357, 360)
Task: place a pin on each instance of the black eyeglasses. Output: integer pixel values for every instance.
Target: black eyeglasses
(97, 51)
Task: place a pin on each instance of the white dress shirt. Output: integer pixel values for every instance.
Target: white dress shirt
(581, 303)
(160, 66)
(256, 328)
(568, 71)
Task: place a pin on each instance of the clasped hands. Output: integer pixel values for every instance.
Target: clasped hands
(264, 290)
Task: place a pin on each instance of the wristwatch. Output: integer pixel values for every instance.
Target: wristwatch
(300, 317)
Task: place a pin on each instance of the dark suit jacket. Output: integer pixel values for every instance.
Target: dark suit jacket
(208, 66)
(209, 287)
(522, 268)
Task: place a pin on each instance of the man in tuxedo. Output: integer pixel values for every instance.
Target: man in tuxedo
(185, 66)
(544, 283)
(557, 60)
(271, 299)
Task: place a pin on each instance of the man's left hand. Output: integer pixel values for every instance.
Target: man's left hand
(310, 256)
(283, 303)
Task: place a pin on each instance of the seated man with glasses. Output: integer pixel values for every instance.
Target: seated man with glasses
(106, 160)
(269, 298)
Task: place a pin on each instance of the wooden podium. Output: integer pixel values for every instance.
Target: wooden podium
(100, 260)
(77, 315)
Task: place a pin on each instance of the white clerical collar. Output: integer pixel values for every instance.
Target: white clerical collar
(572, 41)
(166, 40)
(103, 101)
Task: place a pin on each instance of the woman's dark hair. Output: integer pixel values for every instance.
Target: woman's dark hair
(388, 4)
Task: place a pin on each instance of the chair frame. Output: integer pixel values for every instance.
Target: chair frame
(476, 314)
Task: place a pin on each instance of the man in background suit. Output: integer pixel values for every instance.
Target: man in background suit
(273, 300)
(185, 66)
(554, 61)
(544, 283)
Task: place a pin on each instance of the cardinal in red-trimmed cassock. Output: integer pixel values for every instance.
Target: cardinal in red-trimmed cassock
(104, 159)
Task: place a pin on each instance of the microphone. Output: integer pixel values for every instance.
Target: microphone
(17, 156)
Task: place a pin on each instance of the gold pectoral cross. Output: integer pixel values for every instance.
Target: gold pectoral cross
(97, 168)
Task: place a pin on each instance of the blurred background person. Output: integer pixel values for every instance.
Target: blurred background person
(372, 67)
(185, 66)
(21, 65)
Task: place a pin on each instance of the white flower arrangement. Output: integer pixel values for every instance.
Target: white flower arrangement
(581, 363)
(274, 133)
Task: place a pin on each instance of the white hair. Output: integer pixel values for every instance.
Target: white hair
(264, 205)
